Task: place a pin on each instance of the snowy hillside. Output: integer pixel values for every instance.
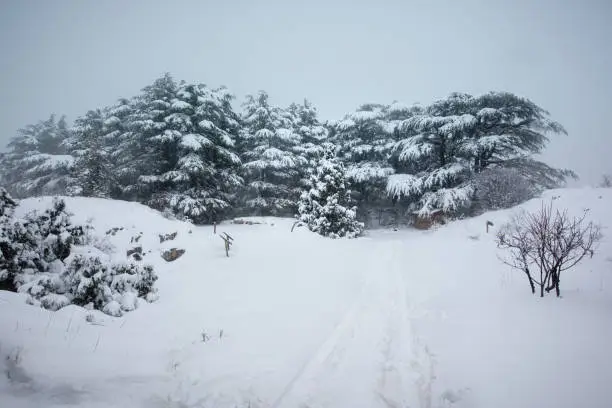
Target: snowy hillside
(394, 319)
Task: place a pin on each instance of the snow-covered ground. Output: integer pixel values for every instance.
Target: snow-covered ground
(394, 319)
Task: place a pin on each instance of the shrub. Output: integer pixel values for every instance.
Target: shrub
(499, 188)
(32, 245)
(37, 258)
(546, 243)
(110, 288)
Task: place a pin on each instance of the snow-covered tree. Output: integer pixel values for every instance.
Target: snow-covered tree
(93, 171)
(438, 178)
(200, 167)
(268, 144)
(365, 139)
(148, 147)
(457, 137)
(326, 208)
(311, 131)
(121, 147)
(37, 162)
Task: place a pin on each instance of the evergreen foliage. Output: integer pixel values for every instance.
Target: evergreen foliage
(326, 207)
(37, 162)
(271, 163)
(38, 257)
(182, 149)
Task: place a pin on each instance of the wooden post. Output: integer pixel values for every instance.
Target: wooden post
(489, 223)
(214, 227)
(227, 238)
(298, 223)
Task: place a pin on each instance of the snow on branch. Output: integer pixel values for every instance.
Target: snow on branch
(399, 185)
(365, 172)
(449, 200)
(195, 142)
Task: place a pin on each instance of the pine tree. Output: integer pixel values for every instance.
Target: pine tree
(268, 145)
(311, 131)
(201, 168)
(37, 162)
(93, 172)
(119, 141)
(365, 140)
(443, 146)
(313, 134)
(149, 145)
(326, 208)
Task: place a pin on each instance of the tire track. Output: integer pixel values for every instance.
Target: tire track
(323, 353)
(366, 359)
(396, 382)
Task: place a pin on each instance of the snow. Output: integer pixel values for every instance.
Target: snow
(399, 107)
(363, 172)
(399, 185)
(50, 161)
(397, 318)
(195, 142)
(181, 105)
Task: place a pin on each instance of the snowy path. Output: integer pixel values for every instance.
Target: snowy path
(365, 361)
(332, 332)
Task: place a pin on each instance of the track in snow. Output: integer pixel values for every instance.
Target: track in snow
(370, 359)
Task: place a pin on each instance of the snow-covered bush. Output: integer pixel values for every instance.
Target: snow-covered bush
(32, 245)
(113, 289)
(7, 206)
(89, 281)
(37, 259)
(498, 188)
(325, 208)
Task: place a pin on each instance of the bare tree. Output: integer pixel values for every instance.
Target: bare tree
(606, 181)
(545, 243)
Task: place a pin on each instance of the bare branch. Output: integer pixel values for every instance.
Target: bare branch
(549, 239)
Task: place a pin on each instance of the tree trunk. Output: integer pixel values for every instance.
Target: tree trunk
(554, 280)
(531, 284)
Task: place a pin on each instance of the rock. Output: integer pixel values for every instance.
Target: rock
(113, 231)
(245, 222)
(426, 222)
(167, 237)
(172, 254)
(135, 253)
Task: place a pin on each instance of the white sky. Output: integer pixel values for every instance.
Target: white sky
(69, 56)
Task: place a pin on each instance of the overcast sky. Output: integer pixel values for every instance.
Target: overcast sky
(68, 56)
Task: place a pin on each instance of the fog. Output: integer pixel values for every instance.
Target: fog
(66, 57)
